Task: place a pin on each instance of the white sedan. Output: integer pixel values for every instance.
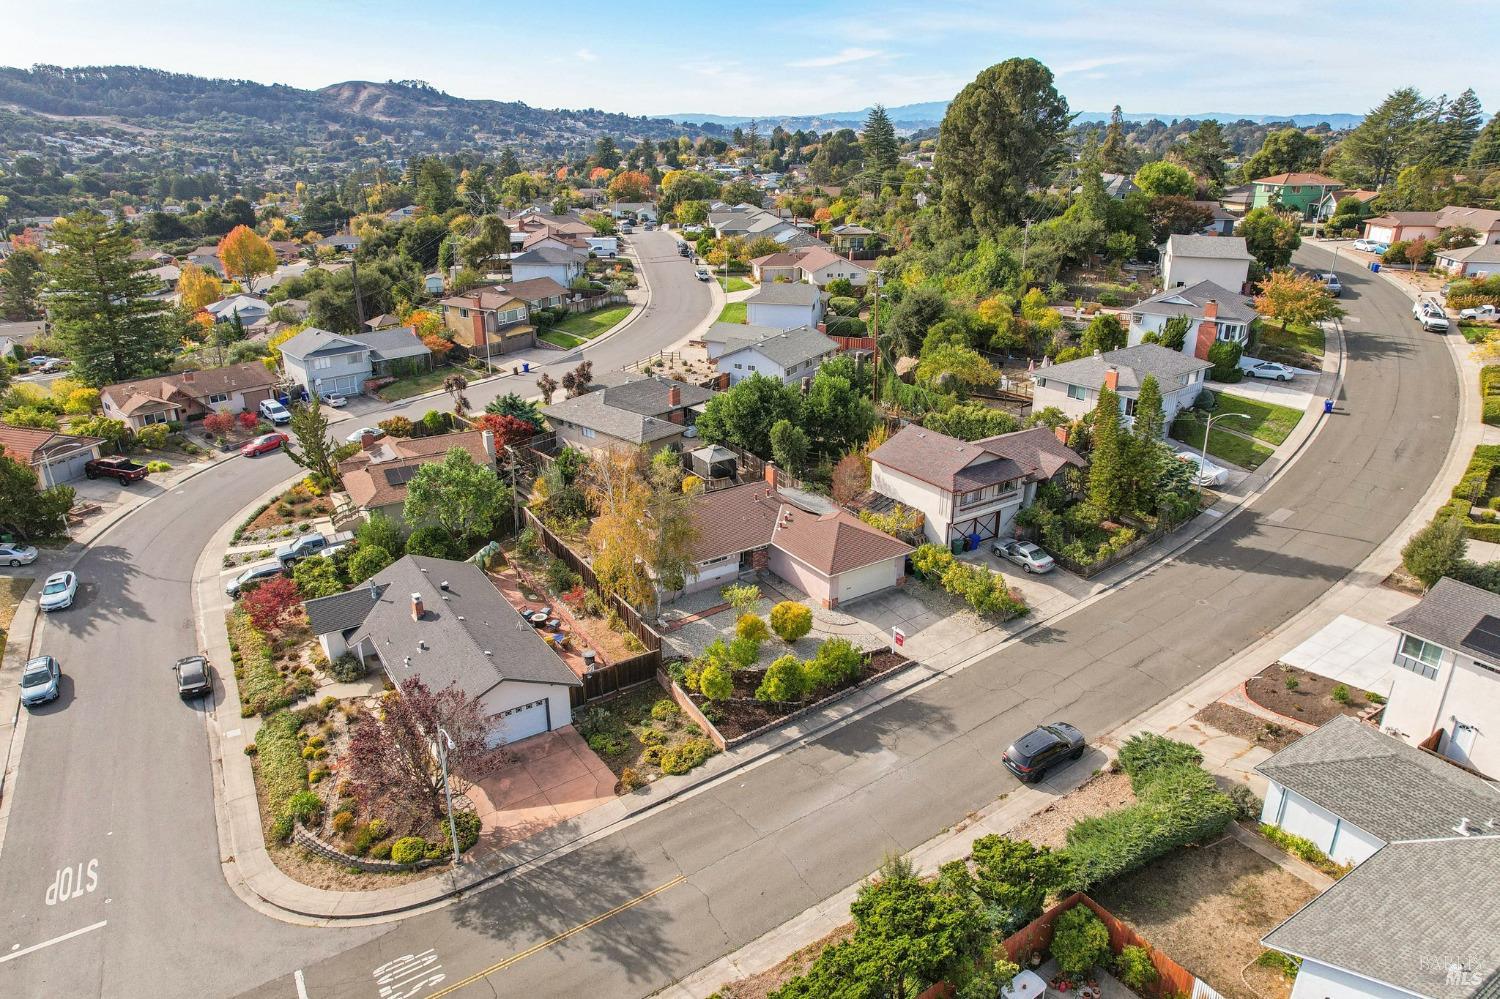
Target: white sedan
(1270, 369)
(58, 591)
(1205, 472)
(359, 435)
(1024, 554)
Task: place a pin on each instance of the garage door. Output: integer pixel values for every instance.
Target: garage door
(66, 470)
(519, 723)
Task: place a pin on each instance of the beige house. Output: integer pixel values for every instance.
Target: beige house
(489, 321)
(629, 410)
(375, 478)
(188, 395)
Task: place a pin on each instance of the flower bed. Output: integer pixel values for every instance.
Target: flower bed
(1308, 697)
(265, 684)
(642, 736)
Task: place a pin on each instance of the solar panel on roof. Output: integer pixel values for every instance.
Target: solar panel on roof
(1485, 636)
(401, 475)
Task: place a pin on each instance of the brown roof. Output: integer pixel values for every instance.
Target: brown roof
(536, 289)
(23, 443)
(378, 477)
(485, 299)
(1299, 180)
(1406, 218)
(781, 258)
(734, 520)
(184, 386)
(958, 466)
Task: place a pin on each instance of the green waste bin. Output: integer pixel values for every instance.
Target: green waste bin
(956, 546)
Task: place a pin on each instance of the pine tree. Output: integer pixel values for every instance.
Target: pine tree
(1204, 153)
(1109, 484)
(879, 142)
(1150, 418)
(1459, 127)
(1114, 154)
(21, 281)
(1484, 155)
(99, 305)
(1388, 139)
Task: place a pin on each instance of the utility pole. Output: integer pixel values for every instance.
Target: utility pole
(875, 330)
(442, 739)
(359, 302)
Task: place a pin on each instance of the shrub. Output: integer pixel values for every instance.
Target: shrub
(752, 627)
(665, 710)
(1145, 752)
(1341, 694)
(1245, 802)
(791, 620)
(742, 597)
(1224, 355)
(281, 829)
(152, 438)
(837, 662)
(283, 774)
(305, 806)
(561, 579)
(715, 682)
(1437, 549)
(396, 426)
(630, 779)
(347, 668)
(467, 824)
(1291, 683)
(343, 822)
(526, 543)
(1080, 941)
(743, 653)
(1136, 969)
(686, 756)
(784, 681)
(262, 687)
(367, 561)
(1303, 848)
(433, 541)
(370, 833)
(408, 849)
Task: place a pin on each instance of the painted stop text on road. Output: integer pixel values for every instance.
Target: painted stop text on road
(408, 976)
(74, 882)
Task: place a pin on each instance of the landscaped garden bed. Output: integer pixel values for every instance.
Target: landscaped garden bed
(281, 517)
(642, 735)
(1308, 697)
(1243, 725)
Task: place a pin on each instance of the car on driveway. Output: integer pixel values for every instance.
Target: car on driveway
(1025, 554)
(59, 591)
(264, 444)
(253, 574)
(1205, 472)
(308, 545)
(336, 401)
(41, 681)
(16, 555)
(359, 435)
(195, 677)
(275, 412)
(1374, 246)
(1044, 748)
(1479, 312)
(1271, 370)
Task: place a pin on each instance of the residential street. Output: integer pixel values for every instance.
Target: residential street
(763, 845)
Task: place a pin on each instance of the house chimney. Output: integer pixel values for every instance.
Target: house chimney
(770, 474)
(1208, 332)
(489, 443)
(367, 441)
(187, 376)
(1062, 434)
(822, 327)
(416, 607)
(374, 592)
(1112, 378)
(1211, 309)
(674, 395)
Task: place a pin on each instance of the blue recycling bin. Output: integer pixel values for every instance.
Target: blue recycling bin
(526, 367)
(1375, 266)
(1327, 405)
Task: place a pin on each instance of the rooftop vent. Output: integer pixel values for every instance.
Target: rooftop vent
(1463, 828)
(443, 585)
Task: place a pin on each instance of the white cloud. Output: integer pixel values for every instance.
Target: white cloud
(839, 58)
(587, 55)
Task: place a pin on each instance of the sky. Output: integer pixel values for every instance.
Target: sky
(793, 57)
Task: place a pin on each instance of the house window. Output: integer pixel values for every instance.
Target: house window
(1229, 333)
(1127, 406)
(713, 561)
(587, 432)
(217, 398)
(150, 418)
(1077, 392)
(463, 313)
(322, 363)
(1419, 656)
(1136, 318)
(738, 366)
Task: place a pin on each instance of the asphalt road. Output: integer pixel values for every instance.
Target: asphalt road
(763, 845)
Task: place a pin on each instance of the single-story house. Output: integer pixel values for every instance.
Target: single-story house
(1236, 200)
(852, 238)
(559, 263)
(55, 457)
(341, 242)
(188, 395)
(790, 355)
(490, 320)
(1396, 226)
(401, 214)
(1448, 686)
(968, 489)
(1298, 192)
(643, 211)
(816, 265)
(1224, 260)
(383, 321)
(327, 363)
(167, 274)
(206, 257)
(785, 306)
(1073, 387)
(1327, 207)
(446, 623)
(628, 410)
(250, 309)
(1221, 223)
(828, 553)
(375, 477)
(1470, 261)
(1216, 313)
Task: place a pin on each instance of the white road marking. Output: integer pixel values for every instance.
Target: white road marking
(54, 940)
(301, 984)
(71, 882)
(396, 978)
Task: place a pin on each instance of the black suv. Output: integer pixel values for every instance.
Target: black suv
(1043, 748)
(195, 677)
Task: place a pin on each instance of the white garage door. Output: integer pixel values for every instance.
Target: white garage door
(66, 470)
(518, 723)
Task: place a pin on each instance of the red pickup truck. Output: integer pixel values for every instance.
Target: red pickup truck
(120, 468)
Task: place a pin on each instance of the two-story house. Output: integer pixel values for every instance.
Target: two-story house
(1224, 260)
(789, 355)
(628, 410)
(326, 364)
(1297, 192)
(560, 263)
(1073, 387)
(489, 321)
(376, 476)
(1447, 693)
(968, 489)
(784, 306)
(1215, 314)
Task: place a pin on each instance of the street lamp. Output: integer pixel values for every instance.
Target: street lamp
(445, 743)
(1203, 452)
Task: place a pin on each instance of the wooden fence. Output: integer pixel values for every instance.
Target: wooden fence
(607, 680)
(593, 302)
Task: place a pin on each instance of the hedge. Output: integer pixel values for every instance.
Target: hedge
(1475, 484)
(283, 772)
(987, 592)
(1177, 806)
(1144, 754)
(1489, 387)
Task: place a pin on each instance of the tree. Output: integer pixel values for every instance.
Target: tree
(99, 306)
(26, 509)
(380, 531)
(917, 312)
(508, 430)
(1080, 941)
(789, 446)
(1001, 136)
(1163, 179)
(391, 762)
(879, 143)
(1289, 297)
(971, 421)
(198, 287)
(490, 239)
(22, 277)
(548, 386)
(455, 385)
(606, 153)
(1389, 138)
(511, 404)
(434, 542)
(951, 368)
(1205, 151)
(839, 414)
(311, 446)
(1270, 237)
(1436, 550)
(1109, 479)
(434, 184)
(1484, 155)
(271, 602)
(851, 476)
(367, 561)
(1417, 251)
(1458, 128)
(1172, 213)
(458, 494)
(1285, 150)
(791, 620)
(1150, 418)
(578, 380)
(318, 577)
(246, 255)
(1016, 877)
(744, 415)
(631, 185)
(1114, 153)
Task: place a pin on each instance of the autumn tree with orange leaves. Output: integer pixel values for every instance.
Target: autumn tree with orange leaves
(198, 287)
(245, 255)
(632, 185)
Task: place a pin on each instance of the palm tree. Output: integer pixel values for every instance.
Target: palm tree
(455, 385)
(548, 385)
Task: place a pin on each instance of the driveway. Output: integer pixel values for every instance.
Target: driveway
(1297, 393)
(553, 777)
(1048, 593)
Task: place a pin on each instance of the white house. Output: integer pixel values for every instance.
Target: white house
(1073, 386)
(556, 262)
(1470, 261)
(251, 310)
(1214, 313)
(325, 363)
(789, 355)
(643, 211)
(1223, 260)
(784, 306)
(446, 623)
(963, 489)
(816, 265)
(1449, 682)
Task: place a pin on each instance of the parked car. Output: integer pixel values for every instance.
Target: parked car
(1374, 246)
(58, 591)
(1271, 370)
(702, 274)
(264, 444)
(254, 574)
(41, 681)
(15, 555)
(309, 544)
(195, 677)
(359, 435)
(119, 468)
(1330, 281)
(1364, 245)
(1028, 556)
(275, 412)
(1205, 472)
(39, 361)
(1422, 306)
(1480, 312)
(1433, 321)
(336, 401)
(684, 250)
(1044, 748)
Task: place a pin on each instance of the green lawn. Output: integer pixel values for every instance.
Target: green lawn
(1476, 332)
(1296, 338)
(737, 284)
(1236, 450)
(562, 340)
(427, 381)
(1267, 421)
(587, 325)
(734, 312)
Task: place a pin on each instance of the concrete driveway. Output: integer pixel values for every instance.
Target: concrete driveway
(554, 777)
(1296, 393)
(1046, 593)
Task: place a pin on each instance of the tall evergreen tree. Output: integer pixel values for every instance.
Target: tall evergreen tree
(879, 142)
(1109, 483)
(99, 305)
(1205, 151)
(1484, 155)
(1458, 128)
(1114, 154)
(1388, 139)
(21, 281)
(1150, 418)
(509, 164)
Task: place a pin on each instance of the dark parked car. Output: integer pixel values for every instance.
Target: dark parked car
(122, 469)
(195, 677)
(1042, 749)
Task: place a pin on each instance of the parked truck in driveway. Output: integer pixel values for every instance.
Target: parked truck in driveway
(120, 468)
(310, 544)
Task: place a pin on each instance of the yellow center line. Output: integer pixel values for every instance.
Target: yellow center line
(565, 934)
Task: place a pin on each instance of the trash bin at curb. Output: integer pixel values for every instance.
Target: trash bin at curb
(1327, 405)
(1375, 266)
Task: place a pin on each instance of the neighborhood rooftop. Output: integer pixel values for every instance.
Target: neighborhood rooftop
(959, 466)
(1229, 247)
(1190, 300)
(1132, 363)
(787, 348)
(782, 293)
(1456, 616)
(630, 406)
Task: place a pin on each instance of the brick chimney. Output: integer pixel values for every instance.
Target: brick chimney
(1208, 332)
(367, 441)
(674, 395)
(1112, 378)
(187, 376)
(771, 474)
(416, 607)
(1062, 434)
(477, 317)
(1211, 310)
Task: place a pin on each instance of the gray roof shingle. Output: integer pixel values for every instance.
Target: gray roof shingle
(1450, 614)
(341, 611)
(629, 407)
(787, 348)
(1133, 364)
(1189, 301)
(1223, 247)
(782, 293)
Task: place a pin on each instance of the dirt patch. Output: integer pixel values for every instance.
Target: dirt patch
(743, 714)
(1252, 728)
(762, 985)
(1104, 792)
(1305, 696)
(644, 731)
(1207, 908)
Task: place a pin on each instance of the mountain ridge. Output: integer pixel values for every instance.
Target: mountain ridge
(928, 113)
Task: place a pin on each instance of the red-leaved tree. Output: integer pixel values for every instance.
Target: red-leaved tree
(270, 603)
(248, 420)
(393, 762)
(507, 429)
(218, 423)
